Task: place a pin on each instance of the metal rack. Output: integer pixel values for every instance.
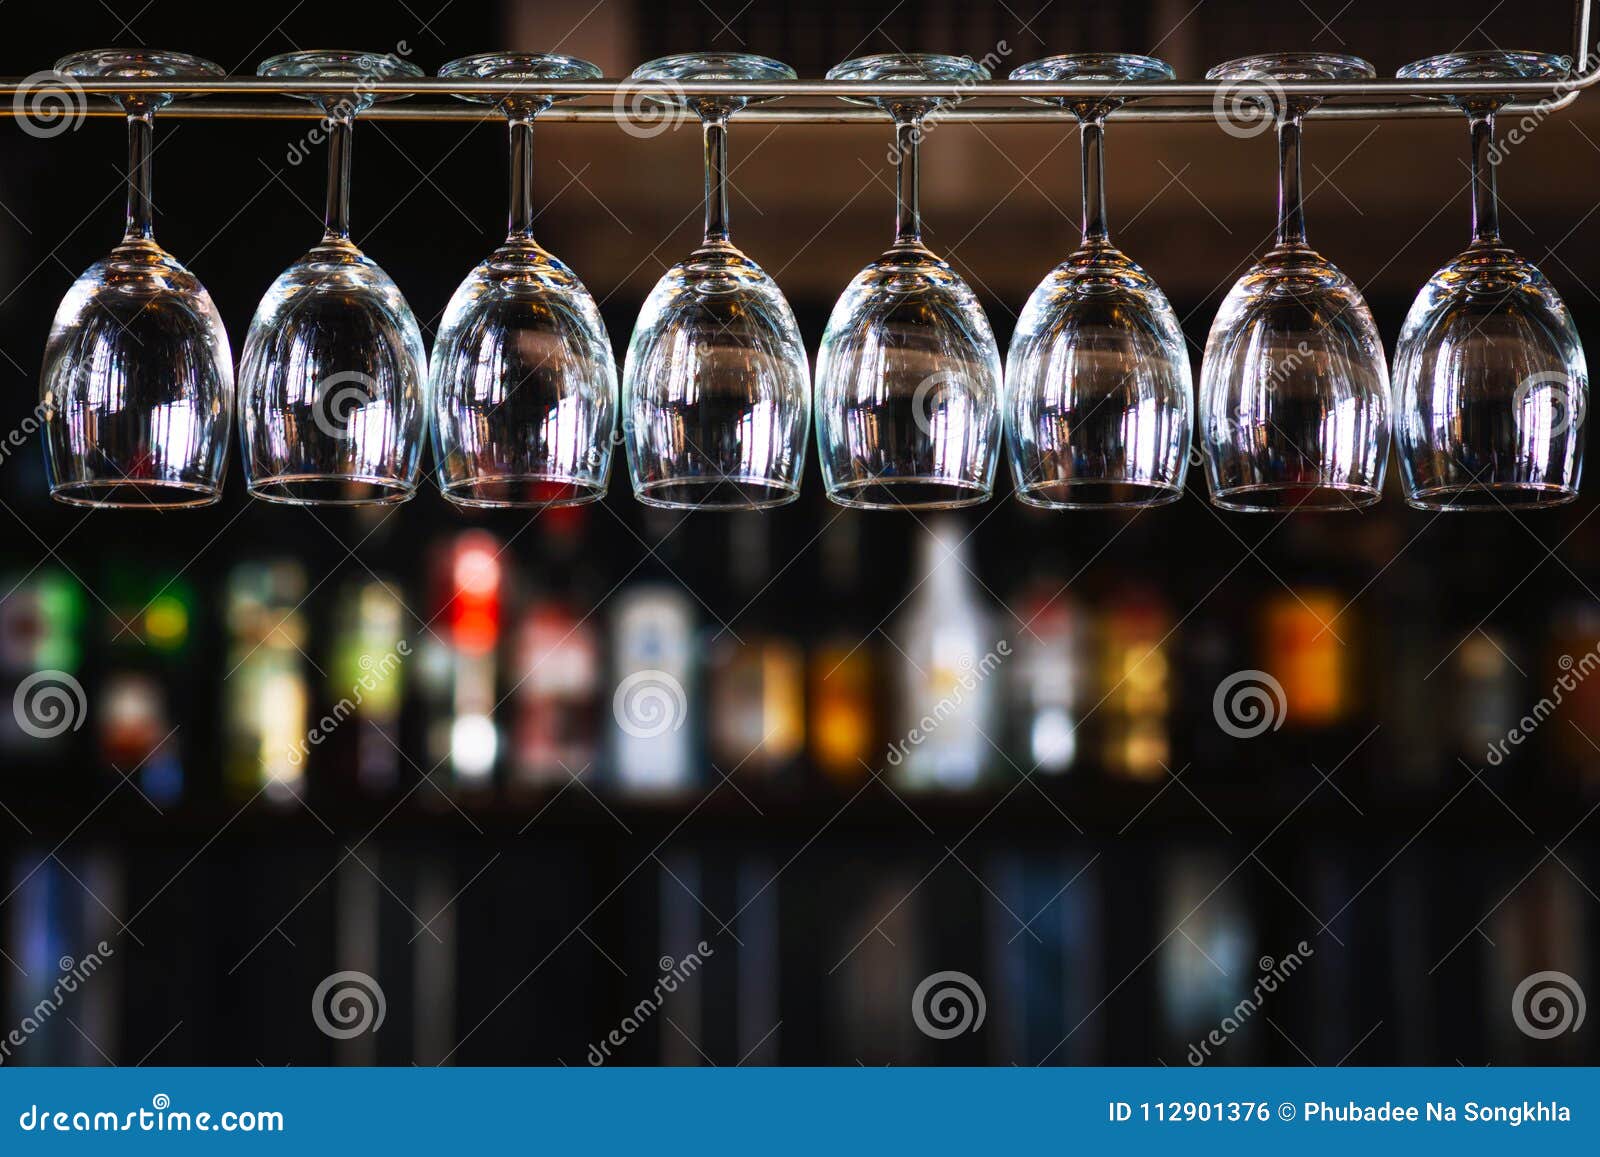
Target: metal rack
(1000, 101)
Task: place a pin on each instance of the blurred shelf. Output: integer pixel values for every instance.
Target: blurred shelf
(1054, 812)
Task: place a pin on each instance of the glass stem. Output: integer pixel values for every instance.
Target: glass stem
(336, 214)
(141, 208)
(1093, 132)
(907, 210)
(716, 138)
(1485, 204)
(1291, 209)
(520, 227)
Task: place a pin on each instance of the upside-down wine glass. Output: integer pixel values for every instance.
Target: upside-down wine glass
(1097, 394)
(908, 374)
(334, 372)
(1294, 388)
(715, 387)
(1490, 379)
(523, 380)
(137, 388)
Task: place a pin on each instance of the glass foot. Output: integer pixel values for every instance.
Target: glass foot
(337, 64)
(1087, 66)
(1308, 66)
(1488, 65)
(928, 66)
(137, 64)
(695, 66)
(528, 67)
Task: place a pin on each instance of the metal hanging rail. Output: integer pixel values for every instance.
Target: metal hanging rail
(773, 114)
(999, 101)
(625, 98)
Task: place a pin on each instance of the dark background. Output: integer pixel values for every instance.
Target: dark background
(1111, 914)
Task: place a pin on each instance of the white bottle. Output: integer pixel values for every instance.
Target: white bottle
(951, 656)
(653, 737)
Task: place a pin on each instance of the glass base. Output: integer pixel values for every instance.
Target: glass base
(331, 490)
(1097, 494)
(1291, 66)
(1287, 497)
(937, 67)
(523, 490)
(730, 493)
(135, 64)
(1491, 496)
(144, 494)
(693, 66)
(908, 494)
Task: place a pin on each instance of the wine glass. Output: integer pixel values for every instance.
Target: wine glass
(908, 374)
(715, 387)
(1294, 389)
(523, 380)
(334, 372)
(137, 388)
(1097, 395)
(1490, 377)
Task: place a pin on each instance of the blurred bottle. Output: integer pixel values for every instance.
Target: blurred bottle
(1484, 697)
(1212, 650)
(948, 700)
(1049, 978)
(136, 732)
(1136, 696)
(148, 679)
(1203, 971)
(1424, 726)
(361, 754)
(1302, 648)
(267, 736)
(843, 697)
(755, 684)
(41, 623)
(1540, 941)
(472, 617)
(61, 992)
(556, 667)
(431, 688)
(1048, 673)
(1573, 673)
(652, 661)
